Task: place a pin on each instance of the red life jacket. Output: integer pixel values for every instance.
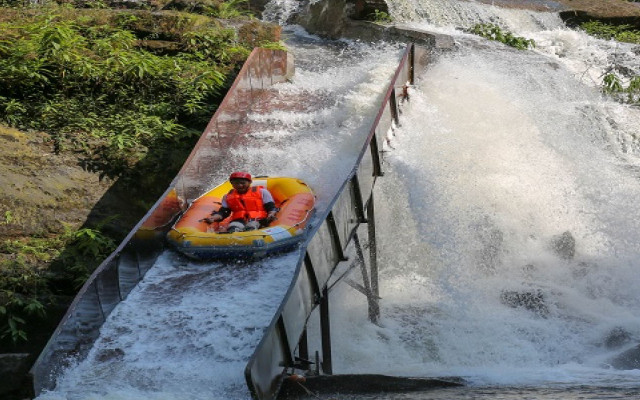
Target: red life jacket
(246, 206)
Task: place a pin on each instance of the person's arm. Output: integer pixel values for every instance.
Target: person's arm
(269, 205)
(223, 212)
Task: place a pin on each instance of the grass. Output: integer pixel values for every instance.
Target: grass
(621, 33)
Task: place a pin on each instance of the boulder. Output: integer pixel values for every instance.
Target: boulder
(564, 245)
(532, 300)
(629, 359)
(618, 337)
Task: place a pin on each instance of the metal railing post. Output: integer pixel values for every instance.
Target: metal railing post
(412, 62)
(393, 107)
(325, 328)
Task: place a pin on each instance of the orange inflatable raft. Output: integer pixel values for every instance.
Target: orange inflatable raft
(197, 239)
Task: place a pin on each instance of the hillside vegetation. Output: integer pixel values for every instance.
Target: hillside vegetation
(99, 108)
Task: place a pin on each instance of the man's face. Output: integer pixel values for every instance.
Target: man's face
(241, 185)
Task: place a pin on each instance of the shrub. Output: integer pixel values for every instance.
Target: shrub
(494, 32)
(613, 85)
(94, 91)
(379, 16)
(24, 286)
(621, 33)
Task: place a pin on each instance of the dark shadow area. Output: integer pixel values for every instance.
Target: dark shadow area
(298, 387)
(573, 19)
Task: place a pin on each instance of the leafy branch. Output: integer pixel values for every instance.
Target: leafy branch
(494, 32)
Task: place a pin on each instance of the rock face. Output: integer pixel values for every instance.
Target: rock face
(13, 369)
(629, 359)
(611, 11)
(618, 337)
(40, 190)
(532, 300)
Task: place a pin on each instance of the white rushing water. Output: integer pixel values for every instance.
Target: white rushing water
(188, 329)
(500, 152)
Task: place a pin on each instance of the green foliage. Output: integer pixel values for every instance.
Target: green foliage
(379, 16)
(273, 46)
(96, 92)
(621, 33)
(209, 44)
(613, 85)
(232, 9)
(21, 288)
(494, 32)
(85, 248)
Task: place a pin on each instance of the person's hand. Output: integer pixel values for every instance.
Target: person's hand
(212, 219)
(270, 217)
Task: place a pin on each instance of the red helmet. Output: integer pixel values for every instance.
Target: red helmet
(240, 175)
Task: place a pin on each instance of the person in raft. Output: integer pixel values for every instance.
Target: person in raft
(250, 207)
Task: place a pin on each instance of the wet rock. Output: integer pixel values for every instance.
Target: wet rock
(13, 370)
(532, 300)
(629, 359)
(110, 354)
(564, 245)
(617, 338)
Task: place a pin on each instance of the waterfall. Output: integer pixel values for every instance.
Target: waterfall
(465, 14)
(509, 249)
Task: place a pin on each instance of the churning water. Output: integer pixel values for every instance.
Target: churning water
(510, 254)
(188, 329)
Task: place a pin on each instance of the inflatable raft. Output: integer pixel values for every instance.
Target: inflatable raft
(199, 240)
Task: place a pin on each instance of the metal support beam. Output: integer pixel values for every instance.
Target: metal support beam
(375, 155)
(411, 60)
(117, 261)
(393, 107)
(373, 255)
(335, 236)
(95, 287)
(311, 273)
(285, 342)
(357, 194)
(303, 346)
(325, 328)
(372, 300)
